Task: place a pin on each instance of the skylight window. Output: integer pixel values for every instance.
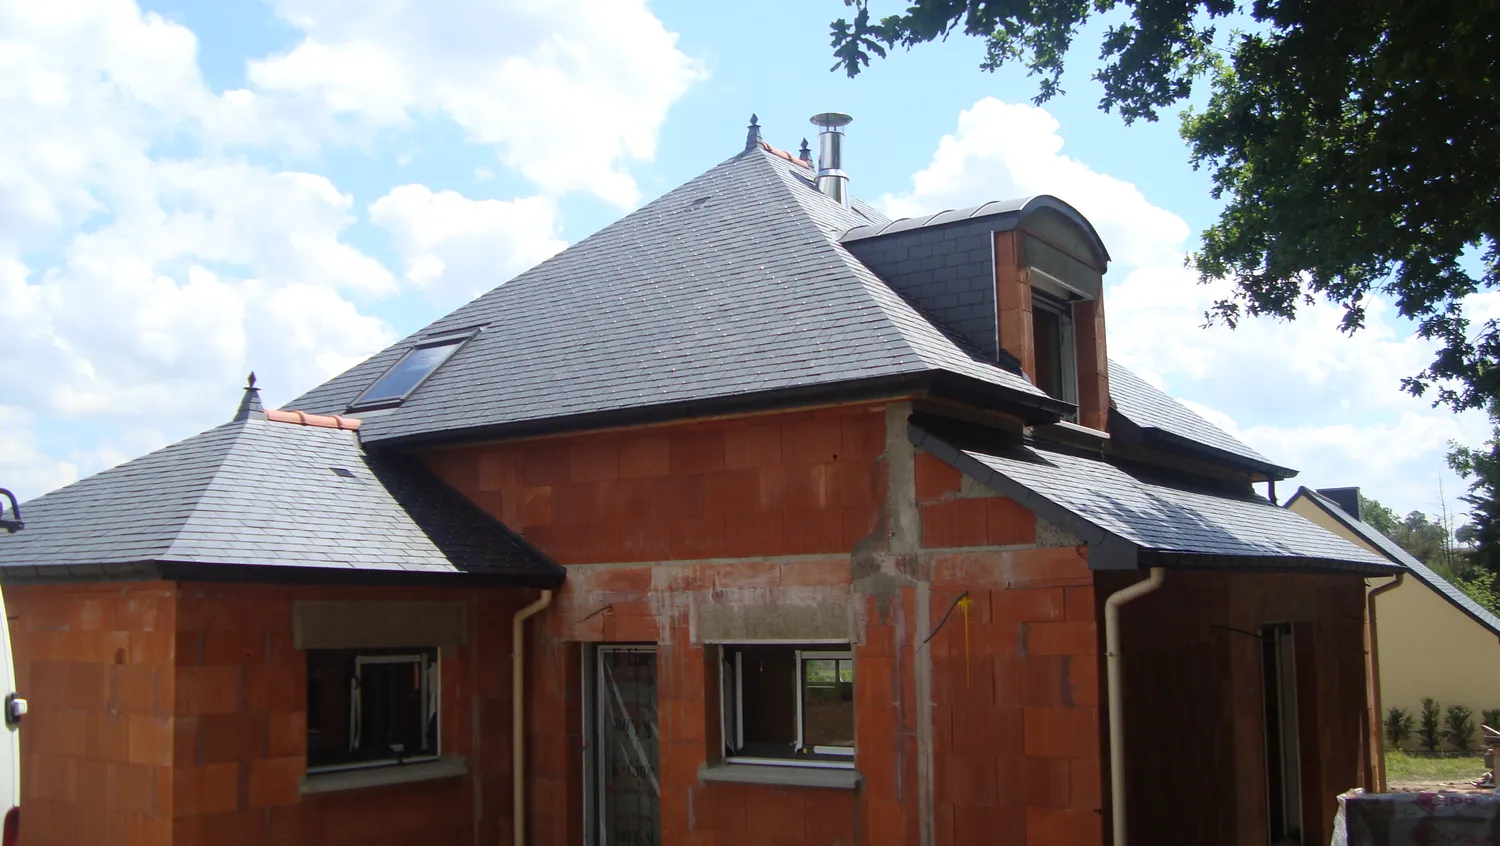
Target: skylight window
(412, 370)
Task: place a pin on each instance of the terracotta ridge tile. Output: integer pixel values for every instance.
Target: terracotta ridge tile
(785, 155)
(323, 421)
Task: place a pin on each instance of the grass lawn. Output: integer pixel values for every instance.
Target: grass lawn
(1400, 766)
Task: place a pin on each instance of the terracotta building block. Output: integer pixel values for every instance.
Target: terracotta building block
(954, 523)
(155, 648)
(644, 456)
(776, 812)
(542, 464)
(645, 541)
(108, 736)
(129, 788)
(1083, 680)
(862, 525)
(969, 779)
(1057, 827)
(1028, 605)
(146, 830)
(535, 506)
(815, 573)
(887, 823)
(692, 452)
(935, 478)
(1061, 732)
(1086, 782)
(1064, 638)
(981, 729)
(732, 492)
(811, 441)
(499, 468)
(238, 647)
(854, 484)
(678, 497)
(980, 825)
(634, 581)
(286, 734)
(862, 435)
(697, 537)
(1048, 782)
(594, 460)
(273, 781)
(137, 614)
(1063, 566)
(150, 739)
(752, 446)
(809, 531)
(794, 486)
(69, 733)
(271, 687)
(189, 648)
(229, 737)
(1007, 523)
(1081, 603)
(207, 690)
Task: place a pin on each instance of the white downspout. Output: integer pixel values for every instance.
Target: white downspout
(518, 714)
(1117, 694)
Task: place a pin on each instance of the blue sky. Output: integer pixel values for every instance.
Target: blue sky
(207, 188)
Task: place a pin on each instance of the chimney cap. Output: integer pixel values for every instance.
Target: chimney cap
(831, 120)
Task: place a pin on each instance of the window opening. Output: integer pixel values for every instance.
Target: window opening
(1283, 765)
(786, 705)
(410, 371)
(1056, 347)
(371, 707)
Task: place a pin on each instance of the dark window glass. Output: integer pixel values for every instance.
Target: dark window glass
(367, 707)
(1046, 331)
(406, 374)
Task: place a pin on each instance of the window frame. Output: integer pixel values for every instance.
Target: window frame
(1067, 340)
(802, 651)
(456, 340)
(430, 660)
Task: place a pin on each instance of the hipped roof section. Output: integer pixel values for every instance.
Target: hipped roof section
(1131, 518)
(730, 288)
(258, 499)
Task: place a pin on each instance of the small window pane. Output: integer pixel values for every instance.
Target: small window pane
(407, 373)
(828, 703)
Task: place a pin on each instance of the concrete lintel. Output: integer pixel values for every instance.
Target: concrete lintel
(371, 625)
(448, 766)
(837, 778)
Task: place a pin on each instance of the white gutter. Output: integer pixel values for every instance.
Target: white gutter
(518, 714)
(1117, 694)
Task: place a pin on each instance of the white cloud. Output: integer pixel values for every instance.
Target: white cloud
(1003, 150)
(24, 468)
(566, 91)
(1303, 393)
(459, 248)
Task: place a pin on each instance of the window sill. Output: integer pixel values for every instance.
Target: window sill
(838, 778)
(448, 766)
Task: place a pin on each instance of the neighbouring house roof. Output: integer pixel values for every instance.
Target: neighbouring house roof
(1133, 517)
(258, 498)
(1169, 423)
(1393, 551)
(732, 286)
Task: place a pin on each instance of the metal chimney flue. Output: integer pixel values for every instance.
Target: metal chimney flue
(832, 180)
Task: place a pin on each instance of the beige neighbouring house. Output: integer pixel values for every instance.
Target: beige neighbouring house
(1432, 639)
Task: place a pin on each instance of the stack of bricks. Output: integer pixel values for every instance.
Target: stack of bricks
(95, 662)
(1015, 672)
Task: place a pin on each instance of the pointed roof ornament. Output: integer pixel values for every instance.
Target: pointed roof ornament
(752, 135)
(805, 153)
(250, 403)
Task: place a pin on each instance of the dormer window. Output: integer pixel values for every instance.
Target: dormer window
(413, 368)
(1056, 347)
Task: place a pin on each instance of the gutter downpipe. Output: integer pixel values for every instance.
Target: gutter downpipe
(1117, 694)
(518, 714)
(1376, 719)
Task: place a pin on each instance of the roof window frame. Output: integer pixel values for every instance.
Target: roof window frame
(456, 340)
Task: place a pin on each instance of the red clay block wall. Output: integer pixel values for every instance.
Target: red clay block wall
(95, 664)
(241, 741)
(786, 484)
(1015, 676)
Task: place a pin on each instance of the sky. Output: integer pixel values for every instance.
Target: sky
(193, 190)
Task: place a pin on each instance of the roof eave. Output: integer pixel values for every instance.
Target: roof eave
(241, 572)
(1031, 408)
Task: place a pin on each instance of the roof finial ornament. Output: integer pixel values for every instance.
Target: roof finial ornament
(805, 153)
(250, 403)
(752, 135)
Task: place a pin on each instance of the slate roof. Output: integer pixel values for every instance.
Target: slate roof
(1002, 213)
(732, 285)
(1393, 551)
(1136, 519)
(1156, 413)
(260, 493)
